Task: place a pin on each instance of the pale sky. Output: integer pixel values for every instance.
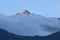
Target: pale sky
(49, 8)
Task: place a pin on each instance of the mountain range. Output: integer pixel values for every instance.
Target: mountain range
(5, 35)
(29, 24)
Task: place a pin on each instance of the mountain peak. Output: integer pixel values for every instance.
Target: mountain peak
(26, 12)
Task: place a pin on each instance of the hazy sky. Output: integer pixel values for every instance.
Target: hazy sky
(44, 7)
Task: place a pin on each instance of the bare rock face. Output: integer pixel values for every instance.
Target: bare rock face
(26, 12)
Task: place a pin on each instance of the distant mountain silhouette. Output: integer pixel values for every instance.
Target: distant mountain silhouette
(5, 35)
(58, 18)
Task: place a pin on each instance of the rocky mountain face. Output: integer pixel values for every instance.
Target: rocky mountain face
(5, 35)
(25, 12)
